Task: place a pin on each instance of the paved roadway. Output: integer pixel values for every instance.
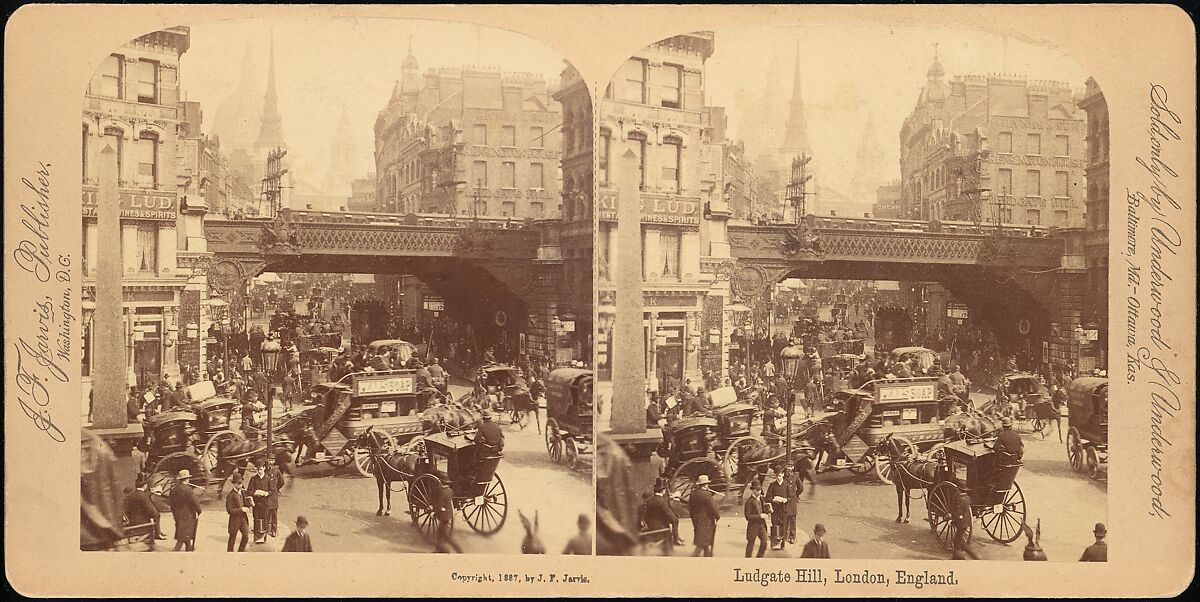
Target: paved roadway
(340, 506)
(859, 513)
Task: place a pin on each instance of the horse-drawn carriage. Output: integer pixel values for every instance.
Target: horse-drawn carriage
(718, 444)
(451, 459)
(837, 370)
(1087, 439)
(906, 409)
(1023, 397)
(925, 358)
(102, 523)
(387, 401)
(569, 414)
(974, 481)
(500, 387)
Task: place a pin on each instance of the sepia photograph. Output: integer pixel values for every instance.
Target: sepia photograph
(869, 294)
(336, 291)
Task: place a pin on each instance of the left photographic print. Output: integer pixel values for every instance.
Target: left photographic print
(337, 291)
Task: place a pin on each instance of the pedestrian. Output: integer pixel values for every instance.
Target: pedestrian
(960, 509)
(236, 502)
(289, 391)
(777, 497)
(298, 541)
(258, 489)
(793, 487)
(247, 364)
(756, 521)
(703, 510)
(581, 544)
(658, 514)
(816, 547)
(140, 509)
(1097, 552)
(443, 511)
(185, 508)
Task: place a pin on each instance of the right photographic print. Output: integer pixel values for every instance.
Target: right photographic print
(852, 298)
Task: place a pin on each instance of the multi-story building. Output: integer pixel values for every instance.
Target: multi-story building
(1095, 313)
(993, 148)
(573, 326)
(132, 107)
(654, 108)
(362, 195)
(468, 142)
(741, 185)
(887, 201)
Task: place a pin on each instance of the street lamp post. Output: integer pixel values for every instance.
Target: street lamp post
(270, 349)
(791, 358)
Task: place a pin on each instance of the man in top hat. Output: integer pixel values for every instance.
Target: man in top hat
(756, 512)
(777, 496)
(1097, 552)
(186, 510)
(1008, 441)
(658, 514)
(489, 433)
(703, 510)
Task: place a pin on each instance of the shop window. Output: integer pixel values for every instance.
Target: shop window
(671, 245)
(537, 210)
(147, 248)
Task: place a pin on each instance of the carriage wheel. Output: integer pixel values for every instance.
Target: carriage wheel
(362, 456)
(883, 462)
(211, 456)
(1093, 462)
(163, 478)
(554, 444)
(1039, 424)
(422, 494)
(343, 458)
(864, 464)
(486, 514)
(1074, 449)
(940, 505)
(1004, 521)
(684, 480)
(740, 448)
(572, 453)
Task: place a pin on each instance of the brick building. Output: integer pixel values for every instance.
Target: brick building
(993, 148)
(1094, 348)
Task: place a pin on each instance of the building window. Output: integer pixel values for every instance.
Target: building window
(1033, 144)
(480, 136)
(508, 136)
(1062, 146)
(1033, 183)
(639, 148)
(634, 76)
(147, 248)
(147, 81)
(508, 209)
(1062, 185)
(602, 161)
(1033, 217)
(1005, 182)
(508, 174)
(112, 72)
(670, 243)
(1060, 218)
(536, 137)
(537, 176)
(671, 150)
(537, 210)
(146, 152)
(1004, 142)
(671, 80)
(479, 173)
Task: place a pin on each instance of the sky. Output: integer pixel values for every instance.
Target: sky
(849, 72)
(323, 65)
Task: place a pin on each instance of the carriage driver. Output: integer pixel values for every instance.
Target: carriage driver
(489, 433)
(1008, 441)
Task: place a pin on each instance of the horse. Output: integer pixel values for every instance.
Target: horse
(389, 466)
(908, 474)
(531, 544)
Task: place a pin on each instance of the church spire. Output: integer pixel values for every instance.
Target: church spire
(795, 139)
(270, 133)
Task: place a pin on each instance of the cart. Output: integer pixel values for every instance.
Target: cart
(988, 479)
(1087, 413)
(717, 444)
(500, 387)
(569, 415)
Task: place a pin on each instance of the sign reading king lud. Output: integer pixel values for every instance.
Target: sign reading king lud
(148, 204)
(665, 210)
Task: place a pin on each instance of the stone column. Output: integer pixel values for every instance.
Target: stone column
(108, 363)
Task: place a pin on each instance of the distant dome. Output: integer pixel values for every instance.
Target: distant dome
(935, 70)
(410, 62)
